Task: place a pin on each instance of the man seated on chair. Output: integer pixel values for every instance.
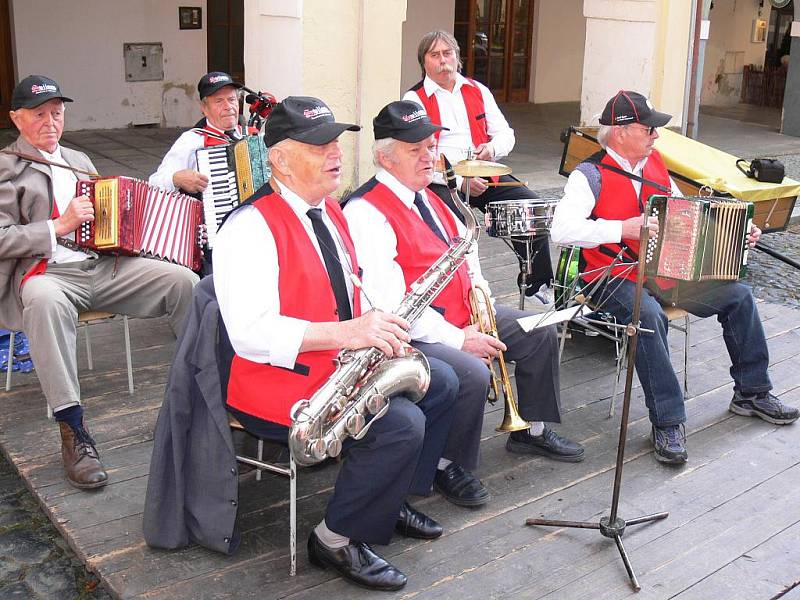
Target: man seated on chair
(47, 282)
(400, 228)
(284, 267)
(602, 211)
(473, 121)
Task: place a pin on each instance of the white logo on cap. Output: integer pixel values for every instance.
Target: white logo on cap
(622, 118)
(649, 105)
(317, 112)
(216, 78)
(43, 89)
(414, 116)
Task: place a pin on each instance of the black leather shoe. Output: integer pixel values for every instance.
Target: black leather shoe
(414, 524)
(356, 562)
(549, 444)
(460, 486)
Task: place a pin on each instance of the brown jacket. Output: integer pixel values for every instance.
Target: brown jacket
(26, 203)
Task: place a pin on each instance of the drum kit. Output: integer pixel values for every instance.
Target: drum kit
(522, 221)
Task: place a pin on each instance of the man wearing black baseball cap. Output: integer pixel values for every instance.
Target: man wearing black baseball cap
(401, 228)
(602, 211)
(284, 273)
(219, 102)
(45, 282)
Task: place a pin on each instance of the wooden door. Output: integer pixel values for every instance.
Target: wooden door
(226, 37)
(6, 64)
(495, 37)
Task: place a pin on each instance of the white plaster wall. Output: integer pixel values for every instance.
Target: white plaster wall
(559, 35)
(422, 16)
(671, 57)
(620, 44)
(82, 50)
(729, 48)
(273, 46)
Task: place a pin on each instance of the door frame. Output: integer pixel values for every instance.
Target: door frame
(6, 63)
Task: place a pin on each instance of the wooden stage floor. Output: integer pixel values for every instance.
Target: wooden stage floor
(733, 529)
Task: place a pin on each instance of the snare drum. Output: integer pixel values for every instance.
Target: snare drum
(520, 218)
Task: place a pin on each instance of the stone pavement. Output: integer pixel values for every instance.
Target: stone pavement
(35, 562)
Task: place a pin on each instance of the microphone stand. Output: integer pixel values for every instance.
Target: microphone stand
(613, 526)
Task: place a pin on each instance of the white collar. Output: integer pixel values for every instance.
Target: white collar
(431, 87)
(622, 162)
(405, 194)
(295, 202)
(54, 156)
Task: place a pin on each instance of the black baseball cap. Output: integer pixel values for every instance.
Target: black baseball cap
(405, 121)
(304, 119)
(213, 82)
(630, 107)
(35, 90)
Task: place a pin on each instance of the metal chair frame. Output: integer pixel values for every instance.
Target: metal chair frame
(278, 469)
(86, 318)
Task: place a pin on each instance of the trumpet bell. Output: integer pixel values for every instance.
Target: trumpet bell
(512, 421)
(480, 168)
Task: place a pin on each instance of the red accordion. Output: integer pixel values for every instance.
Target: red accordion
(132, 217)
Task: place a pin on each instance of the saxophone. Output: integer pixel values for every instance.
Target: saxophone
(365, 379)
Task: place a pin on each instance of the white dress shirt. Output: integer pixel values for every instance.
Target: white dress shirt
(64, 181)
(453, 112)
(246, 283)
(383, 281)
(180, 156)
(571, 222)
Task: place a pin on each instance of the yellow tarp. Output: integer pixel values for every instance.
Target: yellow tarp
(717, 169)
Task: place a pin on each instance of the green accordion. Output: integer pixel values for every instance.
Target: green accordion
(699, 238)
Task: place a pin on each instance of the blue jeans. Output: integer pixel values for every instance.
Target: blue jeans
(735, 308)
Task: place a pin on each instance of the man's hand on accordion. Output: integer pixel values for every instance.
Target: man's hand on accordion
(190, 181)
(80, 210)
(632, 227)
(755, 234)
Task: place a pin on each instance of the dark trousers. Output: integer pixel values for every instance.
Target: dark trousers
(542, 265)
(735, 309)
(397, 457)
(535, 355)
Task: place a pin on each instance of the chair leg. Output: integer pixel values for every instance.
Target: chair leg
(260, 457)
(686, 357)
(620, 359)
(128, 352)
(88, 346)
(292, 515)
(10, 360)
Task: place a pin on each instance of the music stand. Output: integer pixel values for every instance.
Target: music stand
(613, 526)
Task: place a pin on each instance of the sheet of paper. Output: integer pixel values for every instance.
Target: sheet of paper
(551, 318)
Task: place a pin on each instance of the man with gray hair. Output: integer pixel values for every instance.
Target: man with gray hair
(602, 211)
(473, 121)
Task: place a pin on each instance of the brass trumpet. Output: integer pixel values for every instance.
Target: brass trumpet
(499, 383)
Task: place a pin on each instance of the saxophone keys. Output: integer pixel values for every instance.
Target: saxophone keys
(376, 403)
(355, 423)
(317, 448)
(334, 448)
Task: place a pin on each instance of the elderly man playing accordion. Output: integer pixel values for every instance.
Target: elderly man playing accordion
(398, 226)
(284, 269)
(46, 281)
(602, 211)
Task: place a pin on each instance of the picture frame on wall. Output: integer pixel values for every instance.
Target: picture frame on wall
(190, 17)
(759, 34)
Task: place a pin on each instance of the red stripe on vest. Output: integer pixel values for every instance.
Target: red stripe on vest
(40, 267)
(269, 392)
(617, 202)
(418, 248)
(473, 102)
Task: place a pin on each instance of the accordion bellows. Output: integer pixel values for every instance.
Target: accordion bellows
(698, 238)
(133, 218)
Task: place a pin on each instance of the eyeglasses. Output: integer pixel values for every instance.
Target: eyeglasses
(649, 129)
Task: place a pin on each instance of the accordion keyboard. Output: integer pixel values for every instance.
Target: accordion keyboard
(221, 195)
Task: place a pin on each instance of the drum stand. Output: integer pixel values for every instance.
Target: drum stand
(613, 526)
(525, 263)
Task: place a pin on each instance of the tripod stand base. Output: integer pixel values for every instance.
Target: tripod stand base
(610, 528)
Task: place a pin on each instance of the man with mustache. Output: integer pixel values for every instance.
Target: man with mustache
(602, 211)
(284, 273)
(46, 281)
(473, 120)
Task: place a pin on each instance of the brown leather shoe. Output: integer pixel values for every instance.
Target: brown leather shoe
(82, 464)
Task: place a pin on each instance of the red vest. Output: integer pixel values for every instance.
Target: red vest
(617, 202)
(473, 101)
(269, 392)
(418, 248)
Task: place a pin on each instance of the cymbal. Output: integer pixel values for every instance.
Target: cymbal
(480, 168)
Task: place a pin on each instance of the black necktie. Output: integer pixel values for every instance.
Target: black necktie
(428, 217)
(233, 134)
(332, 265)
